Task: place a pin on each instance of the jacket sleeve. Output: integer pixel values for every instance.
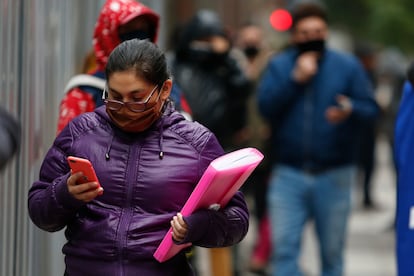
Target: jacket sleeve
(364, 106)
(75, 102)
(50, 205)
(239, 88)
(277, 88)
(225, 227)
(10, 136)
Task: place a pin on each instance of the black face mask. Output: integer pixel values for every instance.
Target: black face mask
(140, 34)
(312, 45)
(251, 51)
(207, 56)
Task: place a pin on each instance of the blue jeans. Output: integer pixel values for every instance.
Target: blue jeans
(294, 198)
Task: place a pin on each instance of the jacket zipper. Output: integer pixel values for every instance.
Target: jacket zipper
(307, 126)
(127, 211)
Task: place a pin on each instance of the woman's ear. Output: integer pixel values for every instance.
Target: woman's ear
(166, 89)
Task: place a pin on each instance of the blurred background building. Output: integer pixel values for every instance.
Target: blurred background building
(43, 43)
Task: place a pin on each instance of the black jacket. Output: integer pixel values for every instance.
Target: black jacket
(214, 84)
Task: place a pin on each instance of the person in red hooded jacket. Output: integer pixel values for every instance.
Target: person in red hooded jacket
(119, 20)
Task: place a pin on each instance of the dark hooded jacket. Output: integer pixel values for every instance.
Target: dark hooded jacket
(117, 233)
(213, 84)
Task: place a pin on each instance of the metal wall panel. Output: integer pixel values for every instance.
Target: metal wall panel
(42, 45)
(9, 30)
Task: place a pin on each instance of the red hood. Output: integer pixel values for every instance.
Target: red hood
(113, 14)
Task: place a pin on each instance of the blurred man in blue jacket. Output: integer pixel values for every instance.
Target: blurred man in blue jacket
(404, 159)
(315, 99)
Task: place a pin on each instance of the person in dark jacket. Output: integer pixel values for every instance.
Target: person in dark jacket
(148, 159)
(212, 82)
(314, 98)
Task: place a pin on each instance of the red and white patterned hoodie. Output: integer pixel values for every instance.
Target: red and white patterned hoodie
(114, 14)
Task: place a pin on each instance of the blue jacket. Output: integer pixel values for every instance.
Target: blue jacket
(404, 157)
(302, 137)
(118, 232)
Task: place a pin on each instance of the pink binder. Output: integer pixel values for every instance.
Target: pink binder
(221, 180)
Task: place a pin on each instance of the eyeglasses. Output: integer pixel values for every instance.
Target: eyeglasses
(116, 105)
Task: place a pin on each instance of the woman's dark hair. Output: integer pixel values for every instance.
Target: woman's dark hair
(308, 9)
(142, 57)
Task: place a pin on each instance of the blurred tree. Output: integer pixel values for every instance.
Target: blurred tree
(383, 21)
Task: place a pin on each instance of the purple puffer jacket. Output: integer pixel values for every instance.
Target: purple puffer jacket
(118, 232)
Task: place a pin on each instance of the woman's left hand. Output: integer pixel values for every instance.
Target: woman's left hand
(179, 227)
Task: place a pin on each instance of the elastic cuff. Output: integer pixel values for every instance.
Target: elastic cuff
(198, 225)
(63, 197)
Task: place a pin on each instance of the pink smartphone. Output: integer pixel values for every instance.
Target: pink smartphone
(78, 164)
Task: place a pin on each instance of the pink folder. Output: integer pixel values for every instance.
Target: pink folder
(221, 180)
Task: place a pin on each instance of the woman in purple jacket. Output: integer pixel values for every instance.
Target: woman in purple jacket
(148, 159)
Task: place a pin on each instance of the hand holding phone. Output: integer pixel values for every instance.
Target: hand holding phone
(78, 164)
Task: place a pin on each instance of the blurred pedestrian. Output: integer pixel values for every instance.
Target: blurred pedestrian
(315, 98)
(404, 158)
(10, 136)
(368, 132)
(119, 20)
(250, 41)
(216, 89)
(148, 159)
(212, 81)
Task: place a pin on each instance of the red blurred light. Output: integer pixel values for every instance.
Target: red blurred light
(281, 20)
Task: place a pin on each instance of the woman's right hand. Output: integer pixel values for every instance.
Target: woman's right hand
(85, 192)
